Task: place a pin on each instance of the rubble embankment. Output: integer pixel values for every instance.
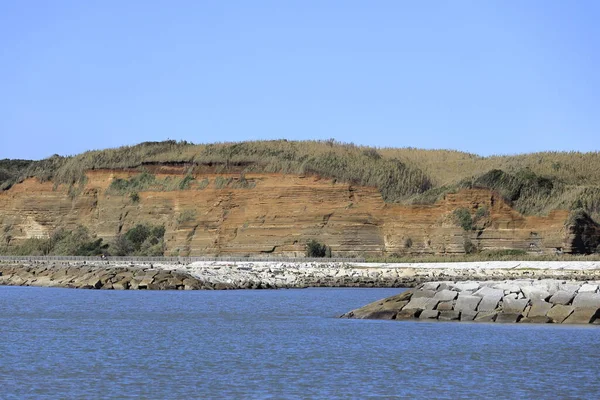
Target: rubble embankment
(273, 275)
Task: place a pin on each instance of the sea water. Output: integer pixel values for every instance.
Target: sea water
(279, 344)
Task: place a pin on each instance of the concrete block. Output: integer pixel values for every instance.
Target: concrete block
(588, 288)
(587, 300)
(558, 313)
(408, 313)
(445, 306)
(562, 297)
(550, 285)
(423, 293)
(582, 316)
(569, 286)
(508, 287)
(429, 314)
(467, 302)
(539, 308)
(490, 302)
(449, 315)
(431, 286)
(511, 305)
(446, 295)
(466, 286)
(486, 316)
(536, 320)
(468, 315)
(535, 293)
(508, 318)
(421, 303)
(488, 291)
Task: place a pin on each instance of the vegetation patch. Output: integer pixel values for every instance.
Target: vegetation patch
(141, 240)
(62, 242)
(315, 249)
(462, 217)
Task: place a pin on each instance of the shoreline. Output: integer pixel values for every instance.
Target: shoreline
(220, 275)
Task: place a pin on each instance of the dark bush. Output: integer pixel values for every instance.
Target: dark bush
(315, 249)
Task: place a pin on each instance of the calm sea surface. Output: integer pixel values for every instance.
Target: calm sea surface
(63, 343)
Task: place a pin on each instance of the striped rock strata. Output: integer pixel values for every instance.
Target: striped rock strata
(278, 214)
(533, 301)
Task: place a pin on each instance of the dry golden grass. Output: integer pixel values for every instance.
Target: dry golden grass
(534, 183)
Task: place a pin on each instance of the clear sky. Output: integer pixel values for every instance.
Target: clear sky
(488, 77)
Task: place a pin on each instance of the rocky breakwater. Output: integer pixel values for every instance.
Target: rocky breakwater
(533, 301)
(99, 277)
(269, 275)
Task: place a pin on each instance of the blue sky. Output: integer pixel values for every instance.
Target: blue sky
(488, 77)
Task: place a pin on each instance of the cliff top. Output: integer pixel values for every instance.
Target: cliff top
(533, 183)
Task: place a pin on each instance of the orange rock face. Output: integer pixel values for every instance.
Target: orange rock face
(279, 214)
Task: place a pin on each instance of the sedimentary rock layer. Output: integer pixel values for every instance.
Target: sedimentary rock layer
(512, 301)
(279, 214)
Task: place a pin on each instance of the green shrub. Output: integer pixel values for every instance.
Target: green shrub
(462, 217)
(203, 183)
(185, 182)
(141, 240)
(221, 182)
(482, 212)
(135, 197)
(469, 247)
(62, 242)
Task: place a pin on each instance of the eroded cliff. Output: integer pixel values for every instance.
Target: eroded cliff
(252, 213)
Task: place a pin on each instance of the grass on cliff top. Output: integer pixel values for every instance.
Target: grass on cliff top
(533, 183)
